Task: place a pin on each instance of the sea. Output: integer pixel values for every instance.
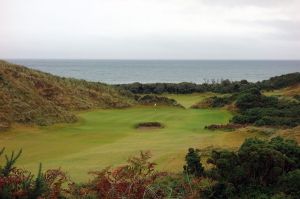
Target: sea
(171, 71)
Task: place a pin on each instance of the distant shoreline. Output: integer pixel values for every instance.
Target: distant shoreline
(167, 71)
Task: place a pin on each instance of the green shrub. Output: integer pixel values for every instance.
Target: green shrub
(193, 165)
(261, 110)
(290, 184)
(259, 169)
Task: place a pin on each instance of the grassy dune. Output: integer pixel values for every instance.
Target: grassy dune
(29, 96)
(108, 137)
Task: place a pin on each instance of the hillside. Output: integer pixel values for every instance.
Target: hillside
(33, 97)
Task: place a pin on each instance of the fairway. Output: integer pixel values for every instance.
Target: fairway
(107, 137)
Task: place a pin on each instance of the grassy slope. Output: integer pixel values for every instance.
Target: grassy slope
(287, 92)
(108, 137)
(30, 96)
(293, 133)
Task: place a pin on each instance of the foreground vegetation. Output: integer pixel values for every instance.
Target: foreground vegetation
(259, 169)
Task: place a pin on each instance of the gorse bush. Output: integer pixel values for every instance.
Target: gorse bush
(252, 98)
(255, 108)
(261, 167)
(290, 183)
(280, 81)
(193, 165)
(297, 97)
(261, 110)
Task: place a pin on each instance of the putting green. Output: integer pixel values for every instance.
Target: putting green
(108, 137)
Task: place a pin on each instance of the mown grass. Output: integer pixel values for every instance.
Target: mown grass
(108, 137)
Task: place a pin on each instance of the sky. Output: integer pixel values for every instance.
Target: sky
(150, 29)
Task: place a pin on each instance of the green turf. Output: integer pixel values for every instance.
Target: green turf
(108, 137)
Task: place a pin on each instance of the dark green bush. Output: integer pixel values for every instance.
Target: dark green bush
(193, 165)
(297, 97)
(281, 81)
(290, 183)
(261, 110)
(259, 169)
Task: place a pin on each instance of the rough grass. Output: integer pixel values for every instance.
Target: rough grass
(285, 93)
(108, 137)
(30, 96)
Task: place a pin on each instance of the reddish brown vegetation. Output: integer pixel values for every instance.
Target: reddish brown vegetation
(20, 184)
(129, 181)
(135, 180)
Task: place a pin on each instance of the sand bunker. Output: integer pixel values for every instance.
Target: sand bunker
(149, 125)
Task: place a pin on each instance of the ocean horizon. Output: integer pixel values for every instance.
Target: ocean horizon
(118, 71)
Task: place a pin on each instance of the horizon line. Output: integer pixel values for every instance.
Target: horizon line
(150, 59)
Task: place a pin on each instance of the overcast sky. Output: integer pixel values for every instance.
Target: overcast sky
(150, 29)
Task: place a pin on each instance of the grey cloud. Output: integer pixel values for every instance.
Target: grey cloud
(284, 29)
(165, 29)
(289, 30)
